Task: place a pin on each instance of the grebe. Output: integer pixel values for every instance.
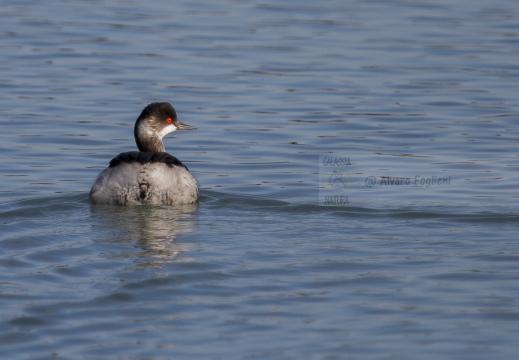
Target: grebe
(150, 175)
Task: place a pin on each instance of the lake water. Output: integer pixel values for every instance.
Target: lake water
(358, 165)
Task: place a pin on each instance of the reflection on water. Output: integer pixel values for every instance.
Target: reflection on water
(153, 229)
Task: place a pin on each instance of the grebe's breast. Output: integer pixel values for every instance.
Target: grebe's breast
(136, 177)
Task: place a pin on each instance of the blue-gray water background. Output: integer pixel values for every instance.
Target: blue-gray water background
(358, 165)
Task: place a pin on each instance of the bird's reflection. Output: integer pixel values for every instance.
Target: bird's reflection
(152, 229)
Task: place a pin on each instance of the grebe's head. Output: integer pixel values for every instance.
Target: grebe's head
(156, 121)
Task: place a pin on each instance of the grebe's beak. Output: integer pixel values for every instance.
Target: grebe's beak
(181, 126)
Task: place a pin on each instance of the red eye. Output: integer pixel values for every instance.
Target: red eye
(169, 121)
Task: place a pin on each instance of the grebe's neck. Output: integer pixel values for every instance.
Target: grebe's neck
(147, 137)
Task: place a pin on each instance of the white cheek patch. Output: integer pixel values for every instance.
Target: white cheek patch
(168, 129)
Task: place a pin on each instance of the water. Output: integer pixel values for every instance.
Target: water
(323, 229)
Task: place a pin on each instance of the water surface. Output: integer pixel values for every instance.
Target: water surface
(287, 255)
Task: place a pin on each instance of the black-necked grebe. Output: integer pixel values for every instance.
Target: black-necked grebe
(150, 175)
